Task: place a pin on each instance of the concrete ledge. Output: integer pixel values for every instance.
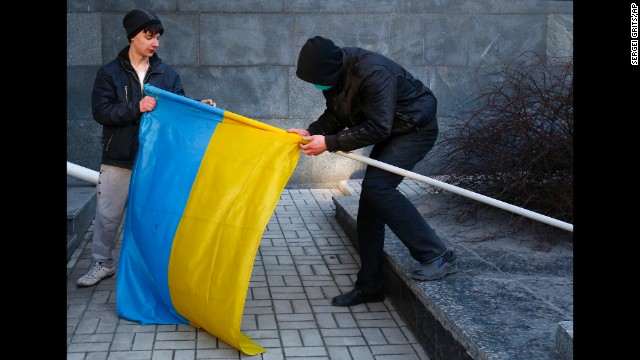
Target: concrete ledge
(81, 209)
(506, 302)
(73, 240)
(564, 340)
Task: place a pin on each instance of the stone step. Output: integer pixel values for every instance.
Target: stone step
(512, 298)
(81, 209)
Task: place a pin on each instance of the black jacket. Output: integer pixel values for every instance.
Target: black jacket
(115, 102)
(373, 92)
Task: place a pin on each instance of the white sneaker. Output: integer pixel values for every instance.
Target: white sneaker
(97, 273)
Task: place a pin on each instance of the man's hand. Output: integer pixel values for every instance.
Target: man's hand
(312, 145)
(300, 132)
(315, 146)
(208, 101)
(148, 103)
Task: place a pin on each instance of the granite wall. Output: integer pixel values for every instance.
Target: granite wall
(243, 54)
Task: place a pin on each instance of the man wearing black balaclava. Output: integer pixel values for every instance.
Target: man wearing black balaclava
(371, 100)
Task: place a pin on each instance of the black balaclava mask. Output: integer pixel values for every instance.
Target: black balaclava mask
(320, 62)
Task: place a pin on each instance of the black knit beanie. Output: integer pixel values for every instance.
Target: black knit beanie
(136, 20)
(320, 62)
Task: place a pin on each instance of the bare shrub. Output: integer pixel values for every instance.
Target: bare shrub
(515, 140)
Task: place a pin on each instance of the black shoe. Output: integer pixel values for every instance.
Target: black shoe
(355, 297)
(438, 268)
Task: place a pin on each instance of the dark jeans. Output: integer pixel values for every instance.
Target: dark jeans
(382, 203)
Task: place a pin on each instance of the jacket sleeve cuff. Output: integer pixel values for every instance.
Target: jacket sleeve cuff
(332, 142)
(314, 130)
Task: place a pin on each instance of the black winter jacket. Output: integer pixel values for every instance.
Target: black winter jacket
(115, 101)
(373, 92)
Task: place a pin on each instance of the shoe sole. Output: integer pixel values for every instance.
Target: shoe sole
(95, 283)
(373, 300)
(451, 270)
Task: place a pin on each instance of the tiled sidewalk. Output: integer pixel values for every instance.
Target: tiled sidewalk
(304, 260)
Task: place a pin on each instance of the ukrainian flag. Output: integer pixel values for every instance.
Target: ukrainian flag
(204, 185)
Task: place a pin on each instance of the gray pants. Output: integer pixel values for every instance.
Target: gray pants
(111, 200)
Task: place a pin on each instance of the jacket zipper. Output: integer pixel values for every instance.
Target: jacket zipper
(146, 79)
(109, 142)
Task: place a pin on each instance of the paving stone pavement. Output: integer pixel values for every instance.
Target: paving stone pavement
(305, 258)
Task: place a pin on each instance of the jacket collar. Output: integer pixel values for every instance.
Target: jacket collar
(123, 56)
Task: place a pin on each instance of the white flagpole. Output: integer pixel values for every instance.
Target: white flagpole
(460, 191)
(82, 173)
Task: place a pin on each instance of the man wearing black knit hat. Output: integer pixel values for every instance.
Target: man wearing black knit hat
(118, 102)
(372, 100)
